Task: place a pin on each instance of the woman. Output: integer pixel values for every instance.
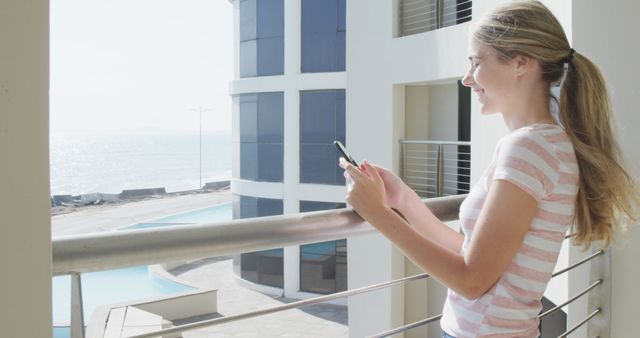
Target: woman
(550, 173)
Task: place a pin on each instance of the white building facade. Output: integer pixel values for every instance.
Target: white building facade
(399, 83)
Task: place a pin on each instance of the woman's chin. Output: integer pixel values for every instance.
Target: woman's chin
(487, 110)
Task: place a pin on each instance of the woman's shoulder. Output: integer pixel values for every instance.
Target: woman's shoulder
(549, 136)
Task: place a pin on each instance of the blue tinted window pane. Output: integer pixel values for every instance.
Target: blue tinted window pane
(270, 162)
(248, 207)
(317, 117)
(340, 51)
(340, 116)
(248, 58)
(342, 15)
(341, 265)
(306, 206)
(248, 118)
(319, 52)
(270, 18)
(271, 117)
(271, 267)
(269, 207)
(271, 56)
(249, 161)
(318, 163)
(248, 23)
(319, 16)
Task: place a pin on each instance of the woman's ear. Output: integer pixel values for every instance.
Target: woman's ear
(522, 64)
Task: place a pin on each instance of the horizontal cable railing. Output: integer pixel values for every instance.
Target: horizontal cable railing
(436, 168)
(320, 299)
(603, 330)
(418, 16)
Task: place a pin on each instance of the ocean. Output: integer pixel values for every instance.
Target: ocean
(112, 161)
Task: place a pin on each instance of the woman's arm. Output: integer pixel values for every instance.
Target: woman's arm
(498, 233)
(402, 198)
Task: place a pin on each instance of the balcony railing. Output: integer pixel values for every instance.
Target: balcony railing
(102, 251)
(436, 168)
(418, 16)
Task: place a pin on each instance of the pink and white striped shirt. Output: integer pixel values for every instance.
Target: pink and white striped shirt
(540, 160)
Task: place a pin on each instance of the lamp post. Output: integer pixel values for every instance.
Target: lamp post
(200, 110)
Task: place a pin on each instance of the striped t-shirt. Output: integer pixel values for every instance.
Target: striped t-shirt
(540, 160)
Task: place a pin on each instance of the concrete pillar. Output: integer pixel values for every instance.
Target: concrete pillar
(25, 226)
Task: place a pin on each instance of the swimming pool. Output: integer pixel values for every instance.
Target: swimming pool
(114, 286)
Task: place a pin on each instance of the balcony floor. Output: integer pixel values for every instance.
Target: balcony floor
(320, 320)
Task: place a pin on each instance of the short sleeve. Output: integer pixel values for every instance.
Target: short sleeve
(526, 159)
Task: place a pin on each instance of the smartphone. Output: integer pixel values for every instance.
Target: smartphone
(344, 154)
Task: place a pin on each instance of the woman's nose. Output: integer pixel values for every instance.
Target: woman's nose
(467, 80)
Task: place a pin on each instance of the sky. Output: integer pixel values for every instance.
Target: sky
(141, 64)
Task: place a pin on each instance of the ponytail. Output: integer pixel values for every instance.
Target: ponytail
(607, 199)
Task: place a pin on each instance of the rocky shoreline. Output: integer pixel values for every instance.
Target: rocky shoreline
(63, 204)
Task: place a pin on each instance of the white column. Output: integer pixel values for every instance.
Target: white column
(601, 31)
(25, 231)
(291, 137)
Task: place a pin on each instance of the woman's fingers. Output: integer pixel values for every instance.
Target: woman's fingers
(373, 172)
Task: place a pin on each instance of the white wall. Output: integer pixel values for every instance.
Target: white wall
(605, 32)
(416, 126)
(25, 228)
(443, 112)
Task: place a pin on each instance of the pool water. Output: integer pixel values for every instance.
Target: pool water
(220, 212)
(114, 286)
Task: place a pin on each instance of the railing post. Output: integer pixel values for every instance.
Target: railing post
(600, 297)
(440, 171)
(77, 316)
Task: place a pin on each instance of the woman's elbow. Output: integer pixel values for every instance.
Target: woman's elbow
(474, 289)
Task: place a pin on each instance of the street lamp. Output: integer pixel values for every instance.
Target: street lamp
(200, 110)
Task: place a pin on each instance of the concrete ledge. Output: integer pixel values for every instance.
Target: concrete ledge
(217, 185)
(133, 193)
(179, 306)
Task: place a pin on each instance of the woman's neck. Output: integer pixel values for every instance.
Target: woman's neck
(532, 108)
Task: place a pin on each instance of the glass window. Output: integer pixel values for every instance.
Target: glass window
(249, 161)
(270, 121)
(248, 118)
(323, 266)
(248, 23)
(261, 38)
(323, 39)
(318, 117)
(262, 267)
(318, 163)
(270, 18)
(261, 136)
(270, 162)
(248, 58)
(322, 120)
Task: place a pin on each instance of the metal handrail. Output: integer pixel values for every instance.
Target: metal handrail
(125, 248)
(449, 143)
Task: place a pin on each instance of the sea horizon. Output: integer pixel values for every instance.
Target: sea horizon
(110, 161)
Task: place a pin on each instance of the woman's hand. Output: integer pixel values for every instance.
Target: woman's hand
(365, 189)
(394, 187)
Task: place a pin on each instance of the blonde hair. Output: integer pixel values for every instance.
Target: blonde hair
(607, 198)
